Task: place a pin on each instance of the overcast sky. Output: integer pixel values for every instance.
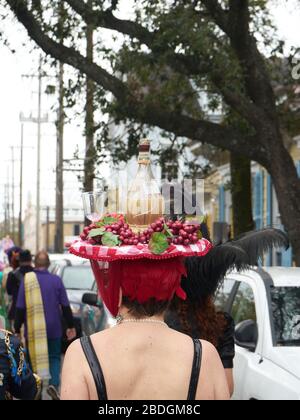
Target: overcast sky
(19, 94)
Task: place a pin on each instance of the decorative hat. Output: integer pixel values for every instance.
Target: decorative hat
(152, 267)
(142, 252)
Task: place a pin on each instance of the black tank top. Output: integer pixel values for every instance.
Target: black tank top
(97, 372)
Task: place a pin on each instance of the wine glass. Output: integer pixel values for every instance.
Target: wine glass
(94, 205)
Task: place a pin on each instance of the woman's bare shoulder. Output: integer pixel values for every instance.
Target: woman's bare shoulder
(74, 385)
(75, 348)
(74, 351)
(209, 352)
(207, 346)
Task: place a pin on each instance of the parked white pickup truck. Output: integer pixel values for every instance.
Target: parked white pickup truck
(265, 304)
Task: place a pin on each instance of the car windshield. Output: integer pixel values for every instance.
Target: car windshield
(78, 278)
(286, 315)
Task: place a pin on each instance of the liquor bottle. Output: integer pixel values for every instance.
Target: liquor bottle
(145, 203)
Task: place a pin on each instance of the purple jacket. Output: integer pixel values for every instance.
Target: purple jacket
(54, 296)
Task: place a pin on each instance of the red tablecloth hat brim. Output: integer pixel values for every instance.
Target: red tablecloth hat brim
(133, 252)
(140, 274)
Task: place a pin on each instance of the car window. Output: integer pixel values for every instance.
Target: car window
(243, 307)
(54, 268)
(285, 303)
(78, 277)
(223, 294)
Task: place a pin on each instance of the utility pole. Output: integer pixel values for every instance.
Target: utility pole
(39, 121)
(59, 224)
(59, 207)
(13, 193)
(5, 212)
(89, 166)
(21, 188)
(47, 228)
(38, 185)
(6, 208)
(8, 202)
(12, 205)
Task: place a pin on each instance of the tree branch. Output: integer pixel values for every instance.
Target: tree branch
(106, 19)
(217, 13)
(239, 18)
(65, 54)
(182, 125)
(223, 137)
(188, 65)
(235, 23)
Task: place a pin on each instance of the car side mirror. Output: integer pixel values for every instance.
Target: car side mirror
(246, 335)
(91, 299)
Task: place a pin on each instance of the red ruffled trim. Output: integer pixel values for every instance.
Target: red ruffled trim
(102, 253)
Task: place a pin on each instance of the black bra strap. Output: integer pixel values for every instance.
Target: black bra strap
(195, 370)
(95, 367)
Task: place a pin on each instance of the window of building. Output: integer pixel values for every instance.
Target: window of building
(278, 259)
(76, 230)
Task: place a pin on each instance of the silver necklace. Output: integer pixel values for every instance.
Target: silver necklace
(121, 320)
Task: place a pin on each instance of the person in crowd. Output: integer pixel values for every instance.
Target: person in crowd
(2, 266)
(198, 315)
(141, 358)
(3, 317)
(200, 318)
(16, 379)
(42, 299)
(24, 261)
(10, 283)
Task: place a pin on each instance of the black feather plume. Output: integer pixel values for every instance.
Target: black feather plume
(257, 243)
(205, 273)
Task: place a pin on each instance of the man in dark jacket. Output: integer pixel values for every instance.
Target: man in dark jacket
(16, 379)
(14, 280)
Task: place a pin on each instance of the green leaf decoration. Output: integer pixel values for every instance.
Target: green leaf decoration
(158, 243)
(110, 239)
(96, 232)
(203, 219)
(108, 220)
(168, 232)
(199, 234)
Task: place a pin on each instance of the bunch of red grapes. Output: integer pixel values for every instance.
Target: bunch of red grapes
(119, 228)
(182, 233)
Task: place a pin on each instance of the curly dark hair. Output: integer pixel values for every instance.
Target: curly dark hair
(200, 320)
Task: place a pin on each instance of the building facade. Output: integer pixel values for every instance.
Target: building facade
(73, 225)
(264, 201)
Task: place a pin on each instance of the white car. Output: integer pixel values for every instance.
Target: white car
(265, 304)
(56, 258)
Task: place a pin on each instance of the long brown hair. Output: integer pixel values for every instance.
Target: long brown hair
(200, 320)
